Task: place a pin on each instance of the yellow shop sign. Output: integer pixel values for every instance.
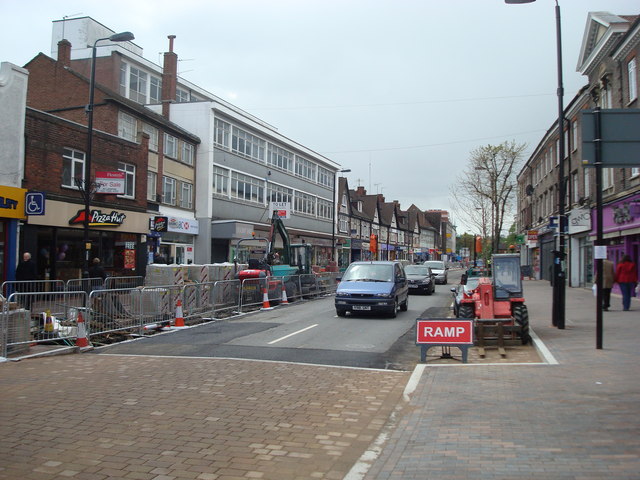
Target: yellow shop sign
(12, 202)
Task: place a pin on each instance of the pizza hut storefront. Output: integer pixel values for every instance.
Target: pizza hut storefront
(56, 240)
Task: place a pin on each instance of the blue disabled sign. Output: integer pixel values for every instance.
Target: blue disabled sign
(34, 203)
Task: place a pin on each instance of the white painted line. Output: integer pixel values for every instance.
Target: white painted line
(413, 381)
(292, 334)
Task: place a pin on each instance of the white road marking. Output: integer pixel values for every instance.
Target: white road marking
(292, 334)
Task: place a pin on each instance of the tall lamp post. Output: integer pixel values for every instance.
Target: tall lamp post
(558, 311)
(87, 188)
(335, 215)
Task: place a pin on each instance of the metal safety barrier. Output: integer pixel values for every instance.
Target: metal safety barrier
(84, 284)
(42, 318)
(29, 286)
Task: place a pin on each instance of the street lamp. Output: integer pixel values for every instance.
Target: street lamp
(558, 311)
(335, 217)
(87, 188)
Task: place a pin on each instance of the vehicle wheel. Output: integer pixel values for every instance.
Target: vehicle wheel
(405, 305)
(394, 313)
(341, 313)
(466, 311)
(521, 317)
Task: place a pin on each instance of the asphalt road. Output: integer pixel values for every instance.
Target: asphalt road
(302, 332)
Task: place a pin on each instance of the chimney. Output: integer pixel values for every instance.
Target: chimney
(64, 53)
(169, 78)
(361, 191)
(381, 198)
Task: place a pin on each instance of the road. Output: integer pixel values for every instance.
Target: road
(302, 332)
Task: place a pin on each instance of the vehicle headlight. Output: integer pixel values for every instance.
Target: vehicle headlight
(343, 294)
(383, 295)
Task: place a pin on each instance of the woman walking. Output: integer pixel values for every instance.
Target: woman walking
(627, 278)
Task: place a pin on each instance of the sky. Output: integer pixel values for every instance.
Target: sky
(398, 91)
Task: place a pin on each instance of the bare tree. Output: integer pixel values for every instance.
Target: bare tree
(484, 193)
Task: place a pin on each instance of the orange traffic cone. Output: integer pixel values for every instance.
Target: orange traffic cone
(82, 339)
(179, 322)
(284, 300)
(265, 300)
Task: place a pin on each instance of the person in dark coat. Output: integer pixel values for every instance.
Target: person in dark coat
(26, 271)
(96, 270)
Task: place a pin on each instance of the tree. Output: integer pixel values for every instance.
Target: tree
(484, 193)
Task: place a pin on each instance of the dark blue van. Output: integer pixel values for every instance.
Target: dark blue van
(373, 287)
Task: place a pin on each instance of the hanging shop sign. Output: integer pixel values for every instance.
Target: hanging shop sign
(12, 202)
(282, 209)
(159, 224)
(110, 182)
(97, 218)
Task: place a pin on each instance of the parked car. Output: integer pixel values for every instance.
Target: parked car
(461, 290)
(440, 269)
(373, 287)
(421, 279)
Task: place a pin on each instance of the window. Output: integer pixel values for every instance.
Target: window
(607, 178)
(574, 186)
(129, 178)
(633, 79)
(137, 85)
(155, 90)
(72, 167)
(277, 193)
(153, 136)
(186, 195)
(249, 145)
(360, 205)
(574, 136)
(325, 209)
(169, 190)
(247, 188)
(187, 153)
(567, 146)
(557, 151)
(182, 96)
(305, 168)
(127, 128)
(325, 177)
(152, 179)
(170, 146)
(279, 158)
(587, 186)
(343, 224)
(635, 171)
(305, 203)
(220, 181)
(221, 134)
(123, 79)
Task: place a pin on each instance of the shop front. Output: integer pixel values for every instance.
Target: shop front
(172, 239)
(580, 247)
(56, 240)
(12, 208)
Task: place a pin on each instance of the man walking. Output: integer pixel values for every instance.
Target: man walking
(608, 275)
(27, 272)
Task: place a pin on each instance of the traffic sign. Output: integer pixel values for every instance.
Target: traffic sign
(444, 332)
(34, 203)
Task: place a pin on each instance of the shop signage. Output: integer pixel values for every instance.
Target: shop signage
(99, 219)
(282, 209)
(579, 220)
(110, 182)
(532, 235)
(12, 202)
(160, 224)
(182, 225)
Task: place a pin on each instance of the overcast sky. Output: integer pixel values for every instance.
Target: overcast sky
(399, 91)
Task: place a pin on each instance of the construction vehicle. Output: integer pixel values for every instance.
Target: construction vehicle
(499, 297)
(289, 265)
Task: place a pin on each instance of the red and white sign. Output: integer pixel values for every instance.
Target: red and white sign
(110, 182)
(443, 332)
(283, 209)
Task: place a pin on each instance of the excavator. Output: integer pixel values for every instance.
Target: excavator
(290, 265)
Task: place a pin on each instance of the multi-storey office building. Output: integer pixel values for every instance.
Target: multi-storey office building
(243, 163)
(608, 57)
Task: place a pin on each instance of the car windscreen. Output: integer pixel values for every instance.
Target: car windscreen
(434, 264)
(416, 270)
(368, 272)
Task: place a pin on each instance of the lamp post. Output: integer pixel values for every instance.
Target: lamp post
(87, 187)
(335, 217)
(558, 311)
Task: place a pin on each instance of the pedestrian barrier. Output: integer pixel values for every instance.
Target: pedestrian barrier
(84, 284)
(123, 282)
(29, 286)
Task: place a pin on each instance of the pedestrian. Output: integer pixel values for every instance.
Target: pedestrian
(608, 275)
(627, 277)
(96, 270)
(27, 272)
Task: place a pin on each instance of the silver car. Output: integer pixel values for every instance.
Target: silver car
(440, 269)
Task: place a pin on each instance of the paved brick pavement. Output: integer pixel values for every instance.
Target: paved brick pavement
(97, 417)
(578, 419)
